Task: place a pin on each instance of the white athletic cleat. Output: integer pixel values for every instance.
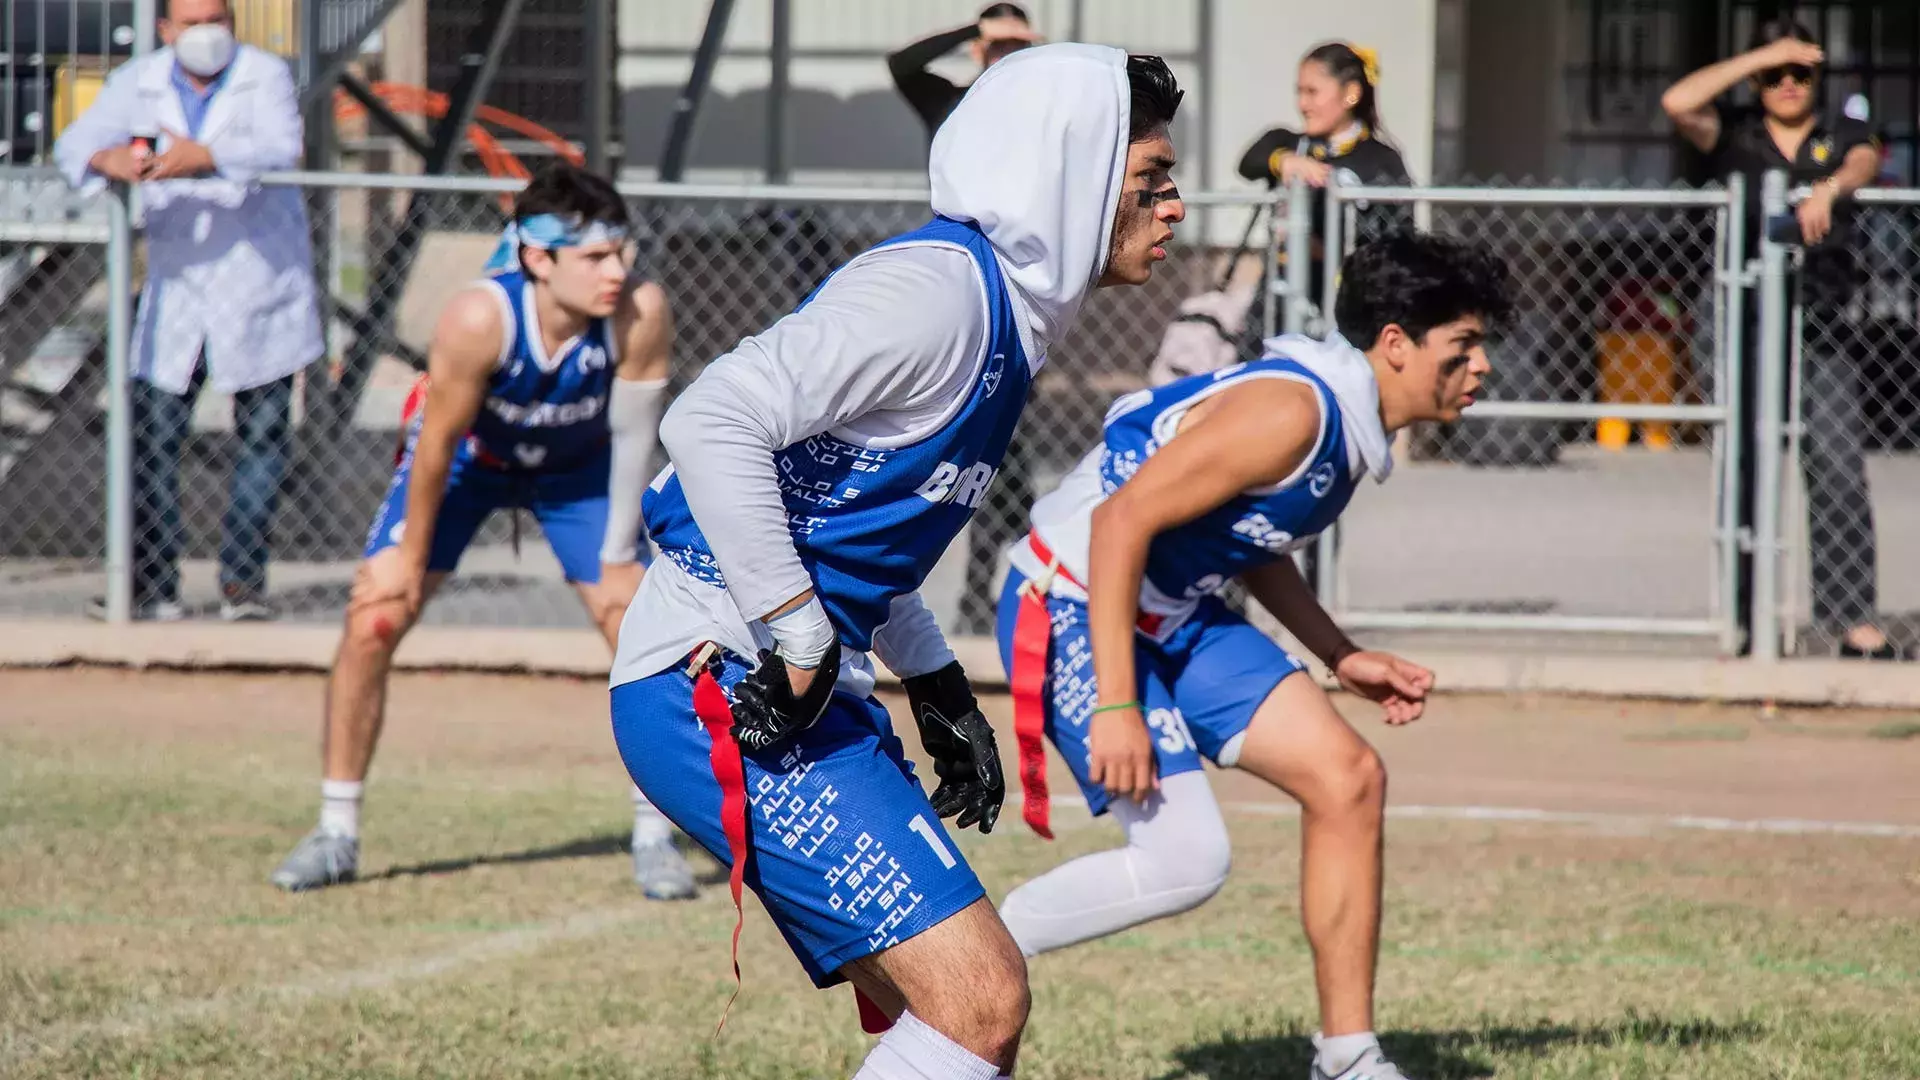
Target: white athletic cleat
(319, 860)
(247, 609)
(661, 871)
(1372, 1065)
(143, 611)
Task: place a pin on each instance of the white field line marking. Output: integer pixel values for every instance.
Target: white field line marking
(588, 924)
(144, 1019)
(1639, 822)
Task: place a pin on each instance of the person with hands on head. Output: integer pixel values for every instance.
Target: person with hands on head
(1829, 160)
(544, 387)
(820, 470)
(1001, 31)
(1121, 653)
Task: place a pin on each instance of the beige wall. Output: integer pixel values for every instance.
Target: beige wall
(1257, 47)
(845, 111)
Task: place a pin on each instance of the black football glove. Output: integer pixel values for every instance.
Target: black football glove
(960, 742)
(765, 709)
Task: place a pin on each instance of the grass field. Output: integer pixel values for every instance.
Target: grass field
(497, 935)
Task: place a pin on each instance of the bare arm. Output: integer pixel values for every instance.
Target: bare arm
(1249, 436)
(1856, 171)
(1280, 589)
(645, 326)
(1689, 102)
(462, 358)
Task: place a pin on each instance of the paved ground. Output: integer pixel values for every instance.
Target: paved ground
(1600, 534)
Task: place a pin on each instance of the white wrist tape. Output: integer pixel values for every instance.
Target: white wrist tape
(803, 634)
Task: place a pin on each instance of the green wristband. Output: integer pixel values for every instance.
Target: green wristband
(1115, 708)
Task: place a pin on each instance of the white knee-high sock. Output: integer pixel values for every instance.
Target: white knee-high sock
(649, 824)
(910, 1050)
(1177, 855)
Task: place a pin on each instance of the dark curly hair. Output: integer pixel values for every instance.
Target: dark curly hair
(1156, 96)
(571, 192)
(1418, 281)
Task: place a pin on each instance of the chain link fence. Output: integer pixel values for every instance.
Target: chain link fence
(1850, 481)
(1600, 439)
(219, 489)
(1592, 492)
(54, 308)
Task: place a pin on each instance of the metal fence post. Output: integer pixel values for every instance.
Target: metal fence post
(119, 510)
(1770, 403)
(1734, 280)
(1299, 257)
(1326, 583)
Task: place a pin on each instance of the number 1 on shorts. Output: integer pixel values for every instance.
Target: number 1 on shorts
(920, 825)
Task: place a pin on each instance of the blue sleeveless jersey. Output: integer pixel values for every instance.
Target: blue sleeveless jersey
(545, 413)
(869, 524)
(1249, 530)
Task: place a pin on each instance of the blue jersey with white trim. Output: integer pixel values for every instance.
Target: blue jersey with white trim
(868, 523)
(545, 413)
(1251, 529)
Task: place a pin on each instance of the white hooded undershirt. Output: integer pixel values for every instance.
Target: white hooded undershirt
(887, 350)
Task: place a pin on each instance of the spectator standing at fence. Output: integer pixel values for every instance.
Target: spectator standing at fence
(1002, 30)
(1339, 139)
(545, 382)
(229, 298)
(1832, 158)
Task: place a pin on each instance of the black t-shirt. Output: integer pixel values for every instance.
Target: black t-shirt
(931, 97)
(1366, 160)
(1746, 147)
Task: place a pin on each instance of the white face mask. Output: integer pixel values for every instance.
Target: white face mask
(204, 50)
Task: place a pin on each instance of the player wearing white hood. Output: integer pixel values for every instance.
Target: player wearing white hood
(820, 469)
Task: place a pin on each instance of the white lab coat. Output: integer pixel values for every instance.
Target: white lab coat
(229, 262)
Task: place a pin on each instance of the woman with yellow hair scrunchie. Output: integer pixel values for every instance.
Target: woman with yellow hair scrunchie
(1339, 136)
(1340, 124)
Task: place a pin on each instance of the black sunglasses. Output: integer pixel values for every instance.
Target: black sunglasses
(1799, 73)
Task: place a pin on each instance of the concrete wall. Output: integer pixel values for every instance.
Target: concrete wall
(848, 125)
(845, 121)
(1258, 44)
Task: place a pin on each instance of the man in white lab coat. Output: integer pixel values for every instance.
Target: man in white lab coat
(229, 297)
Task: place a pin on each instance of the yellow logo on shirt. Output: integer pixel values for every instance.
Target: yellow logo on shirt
(1822, 150)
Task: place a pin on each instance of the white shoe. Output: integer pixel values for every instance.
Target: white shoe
(661, 871)
(248, 609)
(150, 611)
(319, 860)
(1371, 1065)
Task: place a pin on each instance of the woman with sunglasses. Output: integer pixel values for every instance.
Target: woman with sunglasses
(1830, 160)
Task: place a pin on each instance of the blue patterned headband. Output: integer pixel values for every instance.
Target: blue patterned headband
(547, 232)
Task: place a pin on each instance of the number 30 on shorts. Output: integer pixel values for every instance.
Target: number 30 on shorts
(1174, 736)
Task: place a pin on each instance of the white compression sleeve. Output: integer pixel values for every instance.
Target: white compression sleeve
(895, 333)
(1177, 856)
(911, 1050)
(910, 642)
(633, 415)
